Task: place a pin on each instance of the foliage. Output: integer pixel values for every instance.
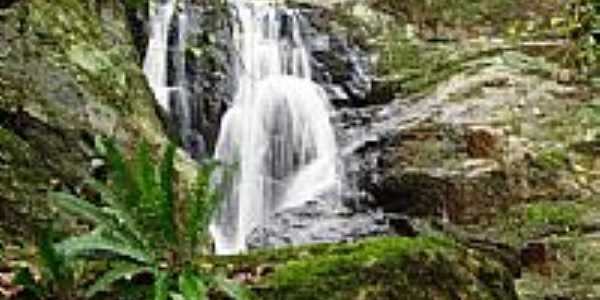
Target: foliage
(499, 14)
(581, 23)
(135, 4)
(57, 274)
(140, 228)
(559, 214)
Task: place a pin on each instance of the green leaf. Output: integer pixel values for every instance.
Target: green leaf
(176, 296)
(99, 145)
(233, 289)
(192, 287)
(53, 263)
(161, 285)
(124, 183)
(25, 279)
(125, 271)
(167, 174)
(92, 245)
(107, 195)
(145, 174)
(201, 204)
(80, 208)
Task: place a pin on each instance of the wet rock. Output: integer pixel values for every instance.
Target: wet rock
(317, 222)
(208, 73)
(340, 66)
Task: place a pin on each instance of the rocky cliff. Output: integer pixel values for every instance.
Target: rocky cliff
(70, 71)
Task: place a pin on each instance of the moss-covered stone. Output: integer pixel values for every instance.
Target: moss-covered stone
(428, 267)
(68, 72)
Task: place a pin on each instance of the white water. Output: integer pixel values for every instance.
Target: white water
(155, 62)
(171, 94)
(278, 131)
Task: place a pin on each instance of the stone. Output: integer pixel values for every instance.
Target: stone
(483, 141)
(318, 222)
(534, 255)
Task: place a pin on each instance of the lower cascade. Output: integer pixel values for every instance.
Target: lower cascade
(277, 134)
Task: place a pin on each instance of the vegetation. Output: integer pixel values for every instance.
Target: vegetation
(427, 267)
(138, 228)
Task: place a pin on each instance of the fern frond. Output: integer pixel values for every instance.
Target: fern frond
(106, 194)
(167, 205)
(192, 287)
(145, 175)
(124, 271)
(124, 184)
(202, 203)
(26, 280)
(161, 285)
(234, 290)
(80, 208)
(53, 263)
(94, 245)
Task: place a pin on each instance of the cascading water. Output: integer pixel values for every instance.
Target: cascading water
(278, 132)
(167, 51)
(155, 62)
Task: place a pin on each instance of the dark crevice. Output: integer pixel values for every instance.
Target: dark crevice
(7, 3)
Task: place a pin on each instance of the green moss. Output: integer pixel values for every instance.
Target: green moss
(552, 159)
(473, 92)
(562, 214)
(534, 221)
(430, 267)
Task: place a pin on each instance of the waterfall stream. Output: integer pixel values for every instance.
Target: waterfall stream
(155, 63)
(278, 131)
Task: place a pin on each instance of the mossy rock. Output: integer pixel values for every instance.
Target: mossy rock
(67, 74)
(428, 267)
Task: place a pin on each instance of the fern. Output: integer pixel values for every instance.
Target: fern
(161, 285)
(53, 262)
(120, 176)
(191, 286)
(123, 271)
(202, 203)
(94, 245)
(80, 208)
(167, 215)
(232, 289)
(137, 226)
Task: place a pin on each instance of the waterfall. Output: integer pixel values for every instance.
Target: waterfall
(155, 62)
(277, 133)
(166, 51)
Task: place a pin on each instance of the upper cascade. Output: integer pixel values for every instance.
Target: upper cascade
(277, 133)
(155, 62)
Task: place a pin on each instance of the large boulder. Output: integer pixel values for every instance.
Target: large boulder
(492, 136)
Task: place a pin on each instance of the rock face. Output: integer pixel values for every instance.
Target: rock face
(315, 222)
(69, 72)
(209, 67)
(477, 144)
(341, 67)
